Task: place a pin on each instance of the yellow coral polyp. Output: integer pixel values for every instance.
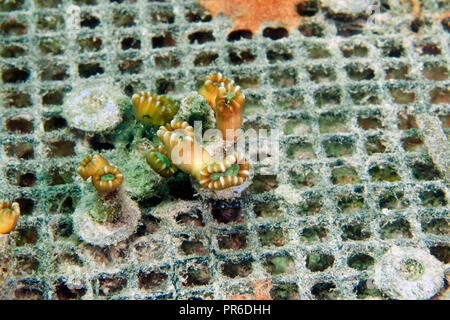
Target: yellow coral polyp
(9, 213)
(159, 160)
(90, 165)
(107, 179)
(229, 172)
(152, 109)
(178, 139)
(211, 86)
(229, 110)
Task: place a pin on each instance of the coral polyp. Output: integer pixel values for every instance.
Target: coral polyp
(90, 165)
(159, 160)
(210, 88)
(229, 110)
(107, 179)
(229, 172)
(9, 212)
(178, 139)
(152, 109)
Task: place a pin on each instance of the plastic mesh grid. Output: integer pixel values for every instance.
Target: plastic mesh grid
(363, 109)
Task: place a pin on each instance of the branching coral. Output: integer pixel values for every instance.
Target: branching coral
(159, 161)
(229, 172)
(8, 216)
(153, 109)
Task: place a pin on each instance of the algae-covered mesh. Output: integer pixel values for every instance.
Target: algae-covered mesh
(357, 207)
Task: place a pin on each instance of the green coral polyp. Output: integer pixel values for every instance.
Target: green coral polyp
(230, 96)
(165, 162)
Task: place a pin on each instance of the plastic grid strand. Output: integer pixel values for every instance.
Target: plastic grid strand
(308, 87)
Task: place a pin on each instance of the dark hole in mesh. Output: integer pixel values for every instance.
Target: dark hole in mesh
(348, 29)
(360, 261)
(396, 229)
(54, 72)
(264, 183)
(199, 15)
(87, 70)
(227, 212)
(55, 123)
(61, 149)
(234, 241)
(205, 58)
(393, 50)
(26, 235)
(307, 8)
(19, 125)
(425, 171)
(180, 187)
(275, 33)
(194, 247)
(88, 20)
(237, 35)
(13, 26)
(309, 29)
(28, 294)
(193, 218)
(319, 262)
(110, 285)
(130, 43)
(201, 37)
(239, 57)
(237, 269)
(446, 24)
(274, 55)
(12, 51)
(441, 252)
(354, 232)
(430, 49)
(416, 24)
(18, 100)
(197, 277)
(20, 150)
(164, 86)
(131, 66)
(15, 75)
